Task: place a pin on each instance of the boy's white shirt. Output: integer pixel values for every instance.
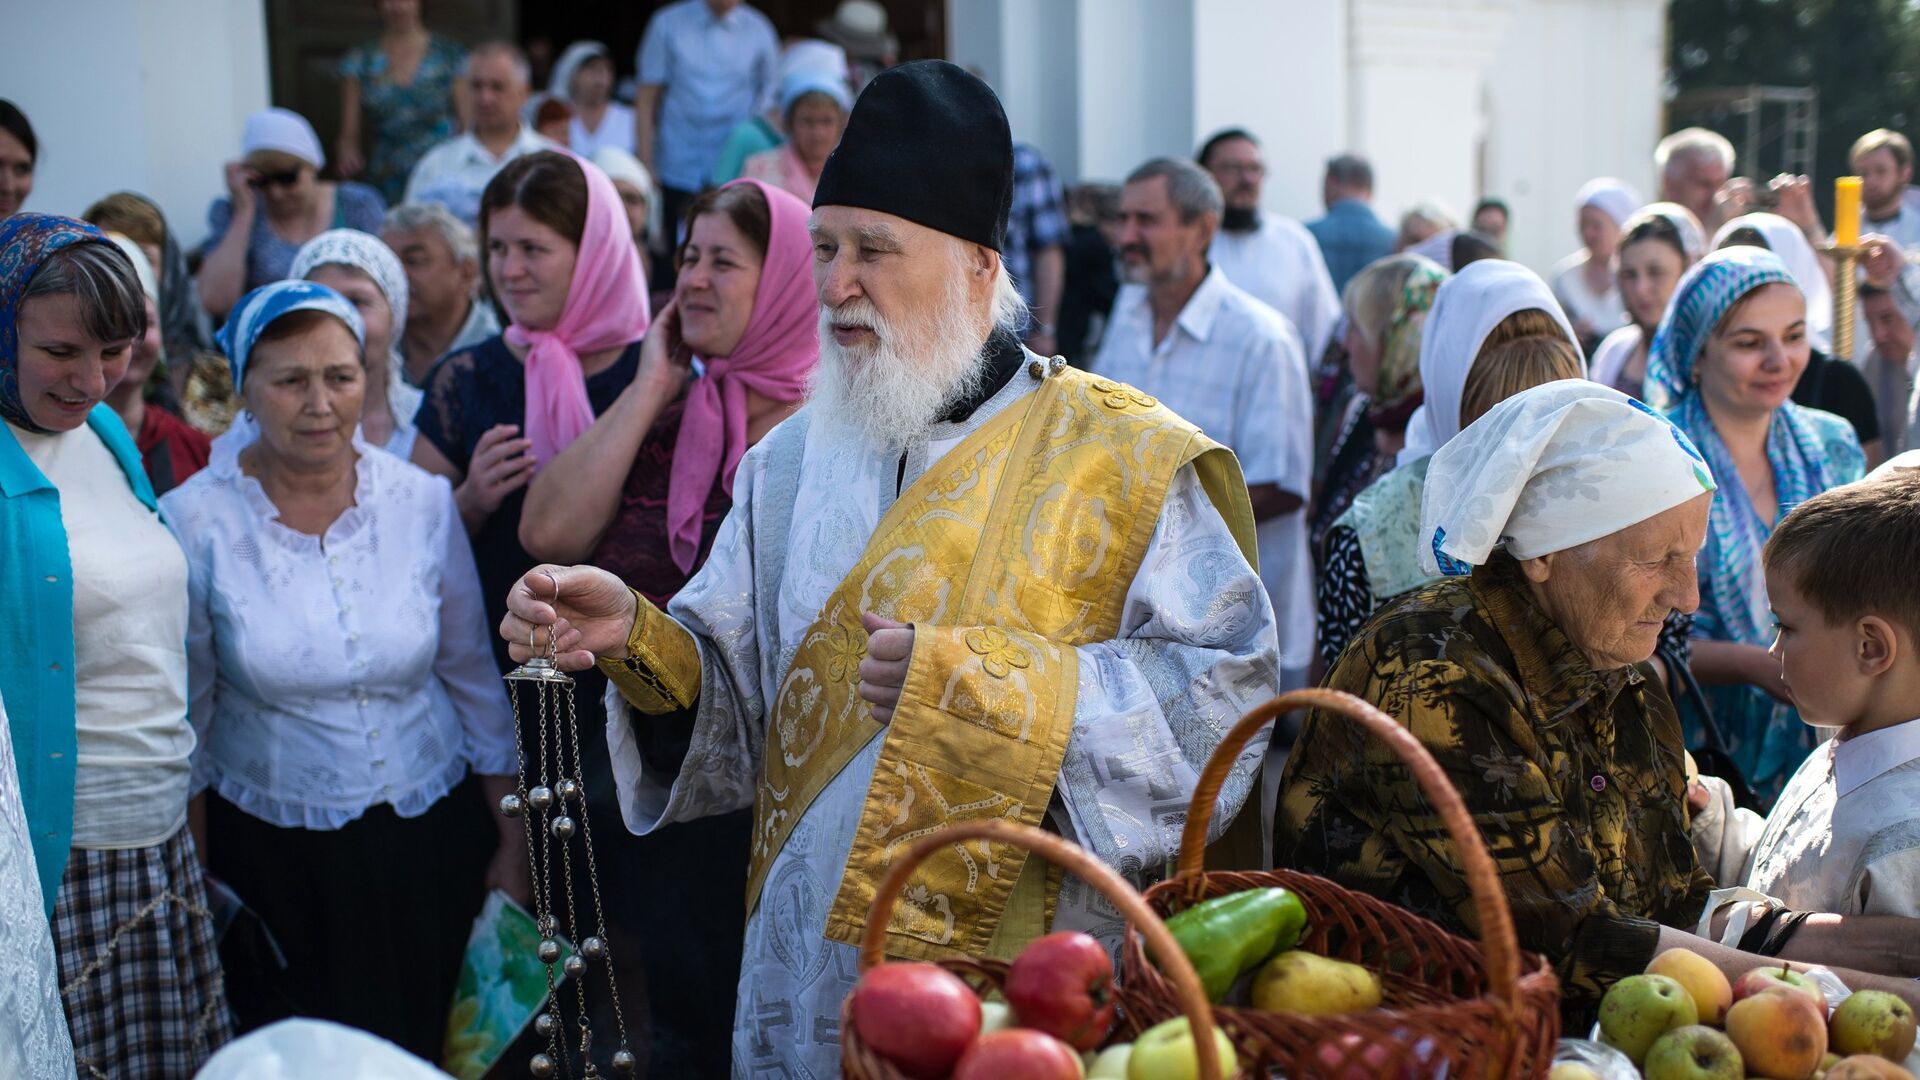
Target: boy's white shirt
(1844, 836)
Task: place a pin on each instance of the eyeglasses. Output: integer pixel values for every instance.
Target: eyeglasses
(278, 179)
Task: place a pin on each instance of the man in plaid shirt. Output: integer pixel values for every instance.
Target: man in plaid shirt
(1036, 252)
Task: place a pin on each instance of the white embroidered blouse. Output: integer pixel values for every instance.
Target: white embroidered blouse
(331, 674)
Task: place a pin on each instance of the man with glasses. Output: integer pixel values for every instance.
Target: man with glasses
(1270, 256)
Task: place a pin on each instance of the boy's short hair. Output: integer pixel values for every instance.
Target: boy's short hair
(1850, 551)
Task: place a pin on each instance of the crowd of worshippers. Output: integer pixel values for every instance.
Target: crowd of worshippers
(790, 403)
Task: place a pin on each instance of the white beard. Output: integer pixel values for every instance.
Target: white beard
(890, 393)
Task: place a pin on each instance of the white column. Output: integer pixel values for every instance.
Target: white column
(1574, 93)
(1417, 93)
(1279, 70)
(153, 100)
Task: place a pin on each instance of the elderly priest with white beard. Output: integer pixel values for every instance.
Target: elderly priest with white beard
(963, 581)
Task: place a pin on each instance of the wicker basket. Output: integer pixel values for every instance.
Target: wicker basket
(1484, 1009)
(1182, 991)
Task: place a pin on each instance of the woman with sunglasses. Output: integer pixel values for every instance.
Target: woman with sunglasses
(275, 202)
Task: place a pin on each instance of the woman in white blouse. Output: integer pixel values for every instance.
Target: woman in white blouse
(353, 727)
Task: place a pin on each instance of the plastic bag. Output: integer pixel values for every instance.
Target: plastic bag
(1611, 1064)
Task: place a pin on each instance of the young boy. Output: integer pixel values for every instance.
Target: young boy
(1845, 590)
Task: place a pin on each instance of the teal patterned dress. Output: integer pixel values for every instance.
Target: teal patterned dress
(403, 121)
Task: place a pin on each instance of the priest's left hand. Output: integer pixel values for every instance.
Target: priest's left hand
(884, 671)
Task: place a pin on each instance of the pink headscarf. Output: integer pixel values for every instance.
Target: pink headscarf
(776, 354)
(606, 307)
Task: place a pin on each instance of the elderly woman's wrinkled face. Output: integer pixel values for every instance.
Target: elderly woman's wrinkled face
(305, 390)
(1756, 355)
(361, 291)
(1611, 597)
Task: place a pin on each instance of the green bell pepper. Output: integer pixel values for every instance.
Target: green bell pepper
(1228, 935)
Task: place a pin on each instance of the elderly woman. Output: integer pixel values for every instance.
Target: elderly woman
(1726, 357)
(1386, 309)
(348, 708)
(93, 620)
(1523, 674)
(275, 202)
(1494, 330)
(1826, 383)
(813, 112)
(1583, 281)
(366, 272)
(1657, 244)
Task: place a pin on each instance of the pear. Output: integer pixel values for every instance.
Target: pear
(1302, 982)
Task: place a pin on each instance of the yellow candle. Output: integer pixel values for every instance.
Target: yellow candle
(1846, 211)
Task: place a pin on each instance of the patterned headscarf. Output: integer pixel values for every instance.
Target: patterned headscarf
(366, 253)
(1704, 296)
(1399, 391)
(1785, 239)
(1551, 468)
(27, 241)
(265, 305)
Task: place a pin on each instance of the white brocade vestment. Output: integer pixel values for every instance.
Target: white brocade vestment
(1196, 651)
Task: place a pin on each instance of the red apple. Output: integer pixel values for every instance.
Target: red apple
(1062, 984)
(1018, 1054)
(1760, 980)
(919, 1016)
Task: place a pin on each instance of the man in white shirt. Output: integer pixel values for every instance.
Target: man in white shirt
(1273, 258)
(1883, 160)
(702, 66)
(454, 173)
(1182, 331)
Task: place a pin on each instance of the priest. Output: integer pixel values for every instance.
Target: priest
(963, 581)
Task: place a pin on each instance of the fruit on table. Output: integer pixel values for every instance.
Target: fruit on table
(1873, 1022)
(1572, 1070)
(1866, 1067)
(1694, 1052)
(1781, 1033)
(1640, 1008)
(919, 1016)
(1062, 984)
(1303, 982)
(1711, 992)
(1166, 1051)
(1231, 934)
(1111, 1063)
(1760, 980)
(1018, 1054)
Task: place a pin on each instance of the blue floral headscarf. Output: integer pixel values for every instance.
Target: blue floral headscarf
(267, 304)
(27, 241)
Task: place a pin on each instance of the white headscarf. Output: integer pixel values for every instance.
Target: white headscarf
(371, 256)
(622, 167)
(142, 266)
(285, 131)
(807, 54)
(1465, 311)
(313, 1050)
(1614, 198)
(560, 83)
(1551, 468)
(1787, 241)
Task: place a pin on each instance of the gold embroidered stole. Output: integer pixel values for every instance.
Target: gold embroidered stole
(1014, 547)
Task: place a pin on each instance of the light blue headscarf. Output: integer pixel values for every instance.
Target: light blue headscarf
(265, 305)
(1809, 450)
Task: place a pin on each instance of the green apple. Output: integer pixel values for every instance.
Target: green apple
(1639, 1009)
(1167, 1052)
(1694, 1052)
(1111, 1063)
(1873, 1022)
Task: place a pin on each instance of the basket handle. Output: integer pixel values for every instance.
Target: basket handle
(1173, 960)
(1489, 899)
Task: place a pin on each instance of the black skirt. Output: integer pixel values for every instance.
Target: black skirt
(373, 917)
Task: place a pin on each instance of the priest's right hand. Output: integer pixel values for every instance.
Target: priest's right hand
(582, 613)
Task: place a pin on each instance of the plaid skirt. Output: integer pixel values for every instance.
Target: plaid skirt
(139, 968)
